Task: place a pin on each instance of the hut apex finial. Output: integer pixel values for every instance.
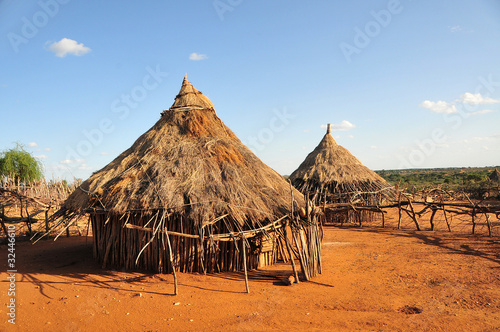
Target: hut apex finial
(329, 128)
(185, 77)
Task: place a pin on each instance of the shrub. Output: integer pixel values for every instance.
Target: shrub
(20, 165)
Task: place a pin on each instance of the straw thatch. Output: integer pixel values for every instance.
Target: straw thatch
(191, 163)
(334, 175)
(189, 174)
(495, 175)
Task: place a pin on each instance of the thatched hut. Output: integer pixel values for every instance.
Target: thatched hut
(190, 187)
(494, 176)
(331, 174)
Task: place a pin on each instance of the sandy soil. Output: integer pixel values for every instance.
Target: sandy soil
(373, 279)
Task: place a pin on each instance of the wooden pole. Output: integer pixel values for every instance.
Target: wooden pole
(245, 261)
(303, 262)
(414, 215)
(290, 253)
(434, 210)
(473, 214)
(1, 219)
(399, 211)
(446, 219)
(383, 217)
(473, 220)
(488, 223)
(287, 240)
(47, 219)
(170, 256)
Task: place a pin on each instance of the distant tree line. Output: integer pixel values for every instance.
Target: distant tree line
(469, 180)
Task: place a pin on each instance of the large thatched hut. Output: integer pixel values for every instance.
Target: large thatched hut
(187, 194)
(331, 174)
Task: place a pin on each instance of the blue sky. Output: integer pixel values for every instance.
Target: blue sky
(406, 84)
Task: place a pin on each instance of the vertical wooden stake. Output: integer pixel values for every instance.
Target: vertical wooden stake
(1, 219)
(434, 210)
(399, 210)
(47, 219)
(287, 240)
(473, 220)
(245, 261)
(446, 219)
(414, 215)
(488, 223)
(170, 255)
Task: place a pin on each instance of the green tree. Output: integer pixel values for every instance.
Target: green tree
(475, 177)
(19, 164)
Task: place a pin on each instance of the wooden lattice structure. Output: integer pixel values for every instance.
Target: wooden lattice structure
(29, 205)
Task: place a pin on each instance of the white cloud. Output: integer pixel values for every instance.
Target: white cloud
(197, 56)
(480, 139)
(68, 46)
(306, 131)
(343, 126)
(477, 99)
(41, 156)
(84, 167)
(482, 112)
(439, 106)
(32, 144)
(467, 98)
(104, 153)
(72, 161)
(458, 28)
(48, 149)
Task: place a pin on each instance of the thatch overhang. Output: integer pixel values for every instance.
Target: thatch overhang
(189, 163)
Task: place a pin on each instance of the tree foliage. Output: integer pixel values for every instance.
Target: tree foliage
(471, 180)
(20, 165)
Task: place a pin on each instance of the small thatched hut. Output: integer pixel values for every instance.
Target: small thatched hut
(495, 176)
(332, 174)
(189, 186)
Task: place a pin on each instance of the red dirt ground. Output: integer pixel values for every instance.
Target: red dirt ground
(373, 279)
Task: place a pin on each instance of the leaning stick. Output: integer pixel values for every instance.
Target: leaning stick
(245, 261)
(170, 253)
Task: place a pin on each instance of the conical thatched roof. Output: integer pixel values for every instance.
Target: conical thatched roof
(191, 98)
(332, 166)
(189, 163)
(495, 176)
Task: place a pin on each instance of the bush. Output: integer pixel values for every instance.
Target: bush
(20, 165)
